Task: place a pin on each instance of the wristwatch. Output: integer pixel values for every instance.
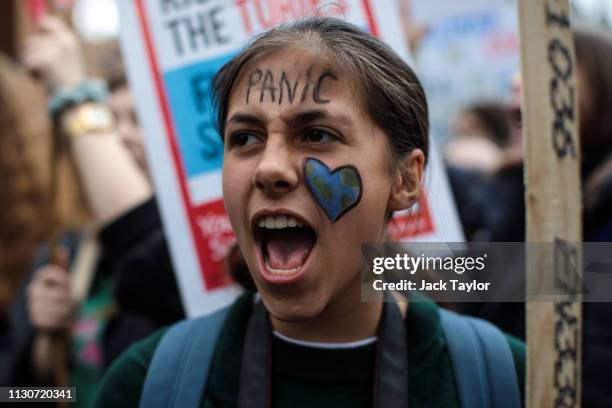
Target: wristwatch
(88, 118)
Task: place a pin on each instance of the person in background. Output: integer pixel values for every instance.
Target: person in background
(483, 182)
(594, 94)
(121, 102)
(489, 195)
(594, 84)
(133, 289)
(124, 299)
(486, 185)
(480, 132)
(26, 218)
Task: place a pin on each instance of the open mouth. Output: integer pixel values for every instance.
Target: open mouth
(285, 243)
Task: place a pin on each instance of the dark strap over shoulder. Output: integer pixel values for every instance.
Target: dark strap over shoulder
(482, 362)
(179, 370)
(480, 355)
(390, 378)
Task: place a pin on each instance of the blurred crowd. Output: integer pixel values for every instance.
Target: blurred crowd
(485, 167)
(485, 156)
(77, 215)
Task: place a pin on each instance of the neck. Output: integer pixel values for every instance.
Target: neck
(345, 320)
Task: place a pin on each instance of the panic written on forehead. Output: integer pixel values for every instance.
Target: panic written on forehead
(279, 86)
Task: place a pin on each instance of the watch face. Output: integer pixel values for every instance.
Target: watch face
(97, 117)
(90, 118)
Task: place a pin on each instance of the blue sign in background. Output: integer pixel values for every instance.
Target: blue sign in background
(189, 95)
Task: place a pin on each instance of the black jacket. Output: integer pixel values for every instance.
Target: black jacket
(134, 254)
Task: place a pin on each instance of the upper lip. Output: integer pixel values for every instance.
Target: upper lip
(280, 211)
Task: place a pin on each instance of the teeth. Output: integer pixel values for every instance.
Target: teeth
(281, 222)
(270, 222)
(282, 271)
(278, 222)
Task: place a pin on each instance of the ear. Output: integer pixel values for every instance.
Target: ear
(407, 178)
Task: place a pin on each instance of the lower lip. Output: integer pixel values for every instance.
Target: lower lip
(283, 279)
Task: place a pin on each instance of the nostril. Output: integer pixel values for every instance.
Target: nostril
(281, 185)
(259, 185)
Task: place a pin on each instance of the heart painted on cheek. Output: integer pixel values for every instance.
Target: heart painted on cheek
(336, 191)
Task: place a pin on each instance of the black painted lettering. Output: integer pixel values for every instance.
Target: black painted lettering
(555, 17)
(316, 92)
(268, 85)
(254, 78)
(566, 267)
(284, 83)
(285, 88)
(562, 99)
(560, 59)
(563, 142)
(306, 86)
(566, 346)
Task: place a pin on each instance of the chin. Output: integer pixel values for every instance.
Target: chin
(293, 307)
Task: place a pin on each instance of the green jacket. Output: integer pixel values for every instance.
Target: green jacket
(310, 377)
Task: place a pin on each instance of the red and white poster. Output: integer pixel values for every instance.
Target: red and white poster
(172, 49)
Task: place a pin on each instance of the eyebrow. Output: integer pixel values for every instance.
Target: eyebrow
(300, 119)
(245, 119)
(303, 118)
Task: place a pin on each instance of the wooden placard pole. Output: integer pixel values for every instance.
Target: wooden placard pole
(553, 200)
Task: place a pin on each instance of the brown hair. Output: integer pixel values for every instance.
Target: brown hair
(593, 51)
(391, 92)
(25, 163)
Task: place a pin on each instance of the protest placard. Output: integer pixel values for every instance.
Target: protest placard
(553, 201)
(468, 54)
(173, 48)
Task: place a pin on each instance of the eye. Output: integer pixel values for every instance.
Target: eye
(242, 139)
(317, 135)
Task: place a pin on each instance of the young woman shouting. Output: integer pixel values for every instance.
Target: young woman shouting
(326, 135)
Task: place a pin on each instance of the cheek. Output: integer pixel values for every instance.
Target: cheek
(233, 186)
(377, 188)
(365, 222)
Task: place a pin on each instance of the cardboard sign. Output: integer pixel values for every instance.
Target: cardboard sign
(173, 48)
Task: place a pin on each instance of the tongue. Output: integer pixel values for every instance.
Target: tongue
(288, 248)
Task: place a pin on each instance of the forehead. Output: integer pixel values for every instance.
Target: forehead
(291, 80)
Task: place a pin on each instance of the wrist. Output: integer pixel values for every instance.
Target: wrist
(85, 90)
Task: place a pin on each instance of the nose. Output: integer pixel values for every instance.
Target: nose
(276, 174)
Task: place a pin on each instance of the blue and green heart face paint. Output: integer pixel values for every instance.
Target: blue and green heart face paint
(336, 191)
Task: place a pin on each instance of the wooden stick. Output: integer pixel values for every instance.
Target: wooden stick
(553, 199)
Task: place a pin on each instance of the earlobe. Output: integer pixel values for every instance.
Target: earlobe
(407, 179)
